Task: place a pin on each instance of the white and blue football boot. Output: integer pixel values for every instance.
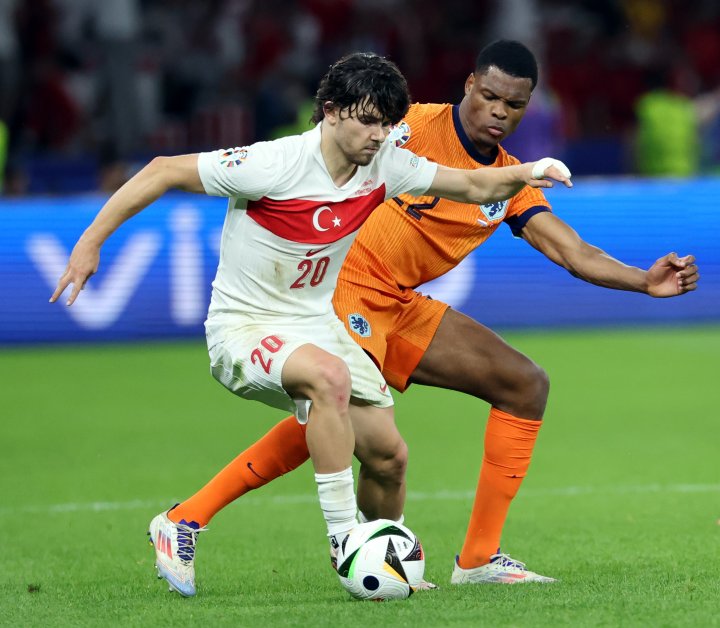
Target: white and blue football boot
(174, 545)
(500, 570)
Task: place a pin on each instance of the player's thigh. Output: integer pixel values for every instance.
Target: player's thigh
(312, 371)
(377, 440)
(466, 356)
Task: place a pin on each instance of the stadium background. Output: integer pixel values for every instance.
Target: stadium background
(155, 277)
(92, 90)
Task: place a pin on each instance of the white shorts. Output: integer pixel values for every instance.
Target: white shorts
(248, 359)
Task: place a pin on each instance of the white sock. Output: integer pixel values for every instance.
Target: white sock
(363, 519)
(337, 500)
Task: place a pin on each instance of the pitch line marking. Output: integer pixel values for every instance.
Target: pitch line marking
(566, 491)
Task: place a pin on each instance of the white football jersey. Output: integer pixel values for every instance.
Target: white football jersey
(288, 226)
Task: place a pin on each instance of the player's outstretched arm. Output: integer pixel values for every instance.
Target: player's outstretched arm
(669, 276)
(489, 185)
(159, 176)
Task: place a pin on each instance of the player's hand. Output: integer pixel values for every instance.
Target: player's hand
(83, 264)
(671, 276)
(548, 168)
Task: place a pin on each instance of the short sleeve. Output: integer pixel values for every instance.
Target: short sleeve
(406, 172)
(245, 172)
(525, 204)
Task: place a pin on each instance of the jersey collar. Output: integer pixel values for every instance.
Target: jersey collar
(467, 142)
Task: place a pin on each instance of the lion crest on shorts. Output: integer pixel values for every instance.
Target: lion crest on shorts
(494, 211)
(359, 324)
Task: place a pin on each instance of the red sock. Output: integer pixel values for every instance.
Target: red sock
(509, 443)
(281, 450)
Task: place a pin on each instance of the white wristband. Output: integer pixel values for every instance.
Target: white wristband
(538, 171)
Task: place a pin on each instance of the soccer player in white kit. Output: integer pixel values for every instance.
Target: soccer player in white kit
(295, 205)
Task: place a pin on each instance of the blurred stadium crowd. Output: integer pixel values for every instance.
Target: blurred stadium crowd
(88, 88)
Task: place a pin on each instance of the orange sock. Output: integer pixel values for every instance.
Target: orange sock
(509, 443)
(281, 450)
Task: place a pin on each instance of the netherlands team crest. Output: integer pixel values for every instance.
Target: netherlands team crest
(494, 211)
(359, 324)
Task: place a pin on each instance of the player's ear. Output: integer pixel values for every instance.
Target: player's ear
(469, 82)
(329, 109)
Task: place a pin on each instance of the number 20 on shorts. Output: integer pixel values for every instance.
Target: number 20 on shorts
(270, 344)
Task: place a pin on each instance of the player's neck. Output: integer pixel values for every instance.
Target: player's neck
(340, 169)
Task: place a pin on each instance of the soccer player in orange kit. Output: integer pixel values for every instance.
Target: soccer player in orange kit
(413, 339)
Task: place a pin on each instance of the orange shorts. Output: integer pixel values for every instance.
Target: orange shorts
(395, 326)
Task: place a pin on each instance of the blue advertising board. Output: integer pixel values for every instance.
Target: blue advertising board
(155, 274)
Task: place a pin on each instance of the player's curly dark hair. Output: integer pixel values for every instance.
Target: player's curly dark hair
(361, 80)
(509, 56)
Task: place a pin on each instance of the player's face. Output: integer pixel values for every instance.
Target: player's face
(359, 134)
(493, 106)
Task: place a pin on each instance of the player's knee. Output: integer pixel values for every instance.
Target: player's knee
(397, 463)
(521, 389)
(331, 381)
(390, 465)
(539, 382)
(535, 387)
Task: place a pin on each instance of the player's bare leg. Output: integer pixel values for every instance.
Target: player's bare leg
(468, 357)
(382, 453)
(324, 379)
(383, 456)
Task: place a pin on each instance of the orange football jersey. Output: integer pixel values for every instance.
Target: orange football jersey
(416, 239)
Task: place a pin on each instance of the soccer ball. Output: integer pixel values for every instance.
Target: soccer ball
(381, 560)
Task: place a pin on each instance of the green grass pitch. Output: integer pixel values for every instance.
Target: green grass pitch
(622, 502)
